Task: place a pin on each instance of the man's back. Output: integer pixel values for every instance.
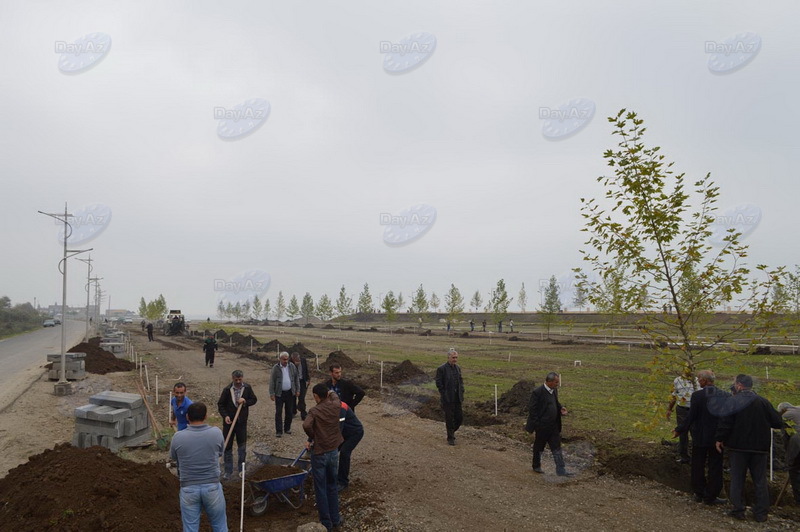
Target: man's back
(197, 450)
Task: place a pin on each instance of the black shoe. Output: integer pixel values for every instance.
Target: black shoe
(715, 502)
(565, 473)
(211, 366)
(697, 498)
(684, 461)
(736, 515)
(278, 435)
(340, 524)
(451, 441)
(538, 469)
(303, 416)
(760, 518)
(287, 431)
(341, 487)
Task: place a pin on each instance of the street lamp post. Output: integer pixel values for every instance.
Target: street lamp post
(63, 386)
(88, 282)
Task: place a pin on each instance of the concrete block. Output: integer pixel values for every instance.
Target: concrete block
(70, 356)
(71, 375)
(82, 412)
(142, 422)
(72, 365)
(109, 414)
(117, 399)
(98, 427)
(129, 427)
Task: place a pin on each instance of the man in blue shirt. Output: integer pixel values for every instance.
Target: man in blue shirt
(178, 406)
(196, 451)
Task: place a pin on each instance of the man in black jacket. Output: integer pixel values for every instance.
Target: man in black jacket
(703, 427)
(302, 374)
(746, 435)
(348, 391)
(451, 393)
(544, 417)
(233, 395)
(210, 347)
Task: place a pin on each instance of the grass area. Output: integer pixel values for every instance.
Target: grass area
(612, 390)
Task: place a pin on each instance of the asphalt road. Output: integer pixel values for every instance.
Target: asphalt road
(22, 358)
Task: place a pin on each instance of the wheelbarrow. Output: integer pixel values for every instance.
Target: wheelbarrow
(287, 489)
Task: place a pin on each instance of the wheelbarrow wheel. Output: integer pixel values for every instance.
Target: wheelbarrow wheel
(259, 506)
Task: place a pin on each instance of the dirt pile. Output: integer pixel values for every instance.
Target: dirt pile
(406, 373)
(302, 350)
(70, 489)
(271, 471)
(99, 361)
(240, 340)
(221, 335)
(339, 357)
(273, 346)
(514, 401)
(426, 332)
(308, 326)
(329, 326)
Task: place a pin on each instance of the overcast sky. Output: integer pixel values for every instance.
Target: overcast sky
(340, 139)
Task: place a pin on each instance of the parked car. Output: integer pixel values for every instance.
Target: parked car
(57, 321)
(49, 323)
(127, 320)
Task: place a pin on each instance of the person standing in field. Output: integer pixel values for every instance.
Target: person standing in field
(682, 390)
(324, 438)
(196, 451)
(210, 347)
(302, 373)
(149, 332)
(236, 394)
(472, 325)
(484, 325)
(348, 391)
(284, 388)
(352, 432)
(450, 384)
(544, 418)
(179, 405)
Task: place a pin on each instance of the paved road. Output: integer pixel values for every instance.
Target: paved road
(22, 357)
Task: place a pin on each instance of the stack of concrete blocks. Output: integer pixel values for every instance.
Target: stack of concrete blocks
(113, 341)
(111, 420)
(76, 366)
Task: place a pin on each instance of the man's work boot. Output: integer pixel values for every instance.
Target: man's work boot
(537, 462)
(561, 469)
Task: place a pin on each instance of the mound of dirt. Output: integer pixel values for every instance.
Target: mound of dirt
(513, 338)
(273, 346)
(465, 334)
(426, 332)
(308, 326)
(221, 335)
(272, 471)
(329, 326)
(61, 490)
(406, 372)
(99, 361)
(339, 357)
(302, 350)
(294, 325)
(514, 401)
(241, 340)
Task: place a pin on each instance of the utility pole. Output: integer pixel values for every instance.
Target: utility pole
(88, 282)
(63, 386)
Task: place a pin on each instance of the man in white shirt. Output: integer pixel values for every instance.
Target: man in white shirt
(284, 388)
(682, 390)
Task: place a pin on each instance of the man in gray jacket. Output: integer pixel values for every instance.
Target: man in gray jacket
(284, 388)
(197, 450)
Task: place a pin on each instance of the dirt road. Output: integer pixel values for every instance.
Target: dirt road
(404, 475)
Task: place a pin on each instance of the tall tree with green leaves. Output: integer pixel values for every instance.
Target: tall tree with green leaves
(267, 309)
(655, 237)
(389, 306)
(580, 299)
(453, 304)
(220, 310)
(365, 301)
(307, 307)
(142, 308)
(434, 302)
(280, 307)
(522, 298)
(258, 307)
(499, 302)
(419, 303)
(401, 302)
(324, 308)
(793, 289)
(156, 309)
(551, 306)
(344, 304)
(293, 310)
(476, 300)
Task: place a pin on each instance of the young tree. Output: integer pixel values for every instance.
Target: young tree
(499, 302)
(389, 306)
(258, 307)
(453, 304)
(142, 308)
(522, 298)
(365, 301)
(435, 302)
(419, 303)
(237, 311)
(246, 309)
(579, 300)
(400, 302)
(655, 238)
(793, 288)
(267, 309)
(344, 304)
(280, 307)
(551, 306)
(781, 298)
(307, 307)
(220, 310)
(324, 308)
(476, 300)
(229, 310)
(293, 310)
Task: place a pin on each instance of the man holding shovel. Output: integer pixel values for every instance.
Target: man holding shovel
(234, 404)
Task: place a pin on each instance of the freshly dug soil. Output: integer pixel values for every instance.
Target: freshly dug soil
(339, 357)
(273, 346)
(241, 340)
(406, 373)
(308, 326)
(426, 332)
(99, 361)
(329, 326)
(514, 401)
(68, 489)
(221, 335)
(302, 350)
(271, 471)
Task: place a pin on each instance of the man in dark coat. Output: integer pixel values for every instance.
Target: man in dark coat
(352, 432)
(348, 391)
(703, 426)
(544, 418)
(302, 373)
(233, 395)
(149, 332)
(745, 433)
(451, 393)
(210, 348)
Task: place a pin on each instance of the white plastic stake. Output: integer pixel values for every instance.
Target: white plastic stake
(495, 400)
(381, 374)
(369, 358)
(509, 357)
(768, 379)
(156, 388)
(147, 377)
(251, 350)
(317, 362)
(241, 513)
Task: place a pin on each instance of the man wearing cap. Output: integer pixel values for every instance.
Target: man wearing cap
(284, 388)
(451, 394)
(745, 434)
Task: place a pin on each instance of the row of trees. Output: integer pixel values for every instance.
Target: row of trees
(154, 310)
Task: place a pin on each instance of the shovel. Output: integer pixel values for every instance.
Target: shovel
(162, 442)
(299, 456)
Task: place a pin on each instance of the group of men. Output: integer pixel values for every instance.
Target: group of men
(332, 428)
(739, 423)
